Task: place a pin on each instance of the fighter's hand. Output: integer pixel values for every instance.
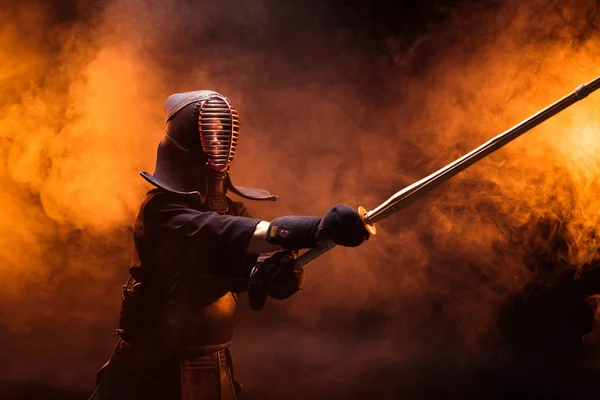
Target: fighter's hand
(344, 226)
(275, 277)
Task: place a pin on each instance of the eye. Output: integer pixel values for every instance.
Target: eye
(213, 124)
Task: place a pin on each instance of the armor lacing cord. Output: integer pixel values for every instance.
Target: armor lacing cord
(218, 203)
(197, 351)
(294, 232)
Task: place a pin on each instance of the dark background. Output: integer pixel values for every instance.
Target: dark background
(535, 346)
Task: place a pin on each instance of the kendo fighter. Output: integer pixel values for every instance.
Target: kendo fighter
(196, 249)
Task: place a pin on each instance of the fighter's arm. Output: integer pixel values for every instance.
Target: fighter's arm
(258, 242)
(341, 224)
(229, 242)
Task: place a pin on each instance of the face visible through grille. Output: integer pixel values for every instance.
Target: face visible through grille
(219, 128)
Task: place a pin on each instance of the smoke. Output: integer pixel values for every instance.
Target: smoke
(329, 115)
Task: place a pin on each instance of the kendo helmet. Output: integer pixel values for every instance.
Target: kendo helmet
(195, 153)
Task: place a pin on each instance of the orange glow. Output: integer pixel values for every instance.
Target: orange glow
(78, 123)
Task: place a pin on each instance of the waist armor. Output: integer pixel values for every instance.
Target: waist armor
(207, 373)
(205, 318)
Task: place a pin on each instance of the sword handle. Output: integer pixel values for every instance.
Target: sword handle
(324, 247)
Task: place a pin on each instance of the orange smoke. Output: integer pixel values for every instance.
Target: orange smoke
(81, 114)
(550, 174)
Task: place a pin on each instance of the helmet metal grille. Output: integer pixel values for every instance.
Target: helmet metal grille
(219, 127)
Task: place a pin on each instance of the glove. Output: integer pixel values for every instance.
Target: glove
(275, 277)
(343, 226)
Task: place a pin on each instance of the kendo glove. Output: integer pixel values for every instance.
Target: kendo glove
(294, 232)
(341, 224)
(275, 277)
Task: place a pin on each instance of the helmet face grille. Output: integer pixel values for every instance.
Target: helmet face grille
(219, 128)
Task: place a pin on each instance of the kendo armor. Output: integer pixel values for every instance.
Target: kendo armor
(196, 151)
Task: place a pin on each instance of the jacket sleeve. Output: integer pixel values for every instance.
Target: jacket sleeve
(201, 239)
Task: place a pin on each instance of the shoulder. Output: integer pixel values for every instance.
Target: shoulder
(158, 201)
